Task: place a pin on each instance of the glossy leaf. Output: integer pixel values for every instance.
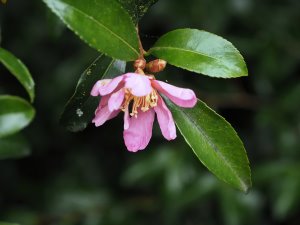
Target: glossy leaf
(15, 114)
(200, 52)
(19, 70)
(215, 143)
(137, 8)
(14, 146)
(103, 24)
(80, 109)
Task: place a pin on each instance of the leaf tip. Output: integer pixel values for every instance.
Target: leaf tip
(246, 188)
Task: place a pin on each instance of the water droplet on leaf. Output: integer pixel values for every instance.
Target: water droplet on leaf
(79, 112)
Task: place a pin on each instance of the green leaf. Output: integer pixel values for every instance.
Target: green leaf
(215, 143)
(15, 114)
(200, 52)
(15, 146)
(80, 109)
(19, 70)
(137, 8)
(103, 24)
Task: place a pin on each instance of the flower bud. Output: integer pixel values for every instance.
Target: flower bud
(156, 66)
(139, 64)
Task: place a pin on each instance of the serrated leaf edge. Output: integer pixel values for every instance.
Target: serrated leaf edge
(81, 37)
(243, 185)
(206, 55)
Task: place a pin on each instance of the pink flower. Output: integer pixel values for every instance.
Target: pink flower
(143, 92)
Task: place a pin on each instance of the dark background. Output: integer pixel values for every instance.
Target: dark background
(89, 178)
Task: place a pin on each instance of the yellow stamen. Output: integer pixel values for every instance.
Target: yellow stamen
(144, 103)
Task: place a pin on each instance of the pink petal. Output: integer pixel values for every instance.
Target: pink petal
(139, 133)
(99, 84)
(103, 113)
(116, 99)
(126, 119)
(139, 85)
(165, 120)
(180, 96)
(111, 86)
(103, 101)
(113, 114)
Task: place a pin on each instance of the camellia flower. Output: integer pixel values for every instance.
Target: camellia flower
(137, 95)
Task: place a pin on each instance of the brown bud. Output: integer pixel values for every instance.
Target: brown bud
(156, 66)
(139, 64)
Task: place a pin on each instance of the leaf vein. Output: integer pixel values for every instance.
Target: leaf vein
(191, 51)
(210, 142)
(105, 27)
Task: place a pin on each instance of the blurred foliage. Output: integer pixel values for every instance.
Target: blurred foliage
(88, 178)
(15, 112)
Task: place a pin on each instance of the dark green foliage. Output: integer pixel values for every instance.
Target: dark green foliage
(103, 24)
(15, 114)
(74, 179)
(191, 49)
(215, 143)
(15, 146)
(137, 8)
(201, 52)
(19, 70)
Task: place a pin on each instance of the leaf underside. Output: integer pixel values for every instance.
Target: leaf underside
(79, 110)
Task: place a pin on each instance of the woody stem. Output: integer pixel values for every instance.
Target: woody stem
(142, 51)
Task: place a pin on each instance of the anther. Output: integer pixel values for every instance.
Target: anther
(144, 103)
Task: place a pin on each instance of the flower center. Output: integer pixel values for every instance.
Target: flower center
(144, 103)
